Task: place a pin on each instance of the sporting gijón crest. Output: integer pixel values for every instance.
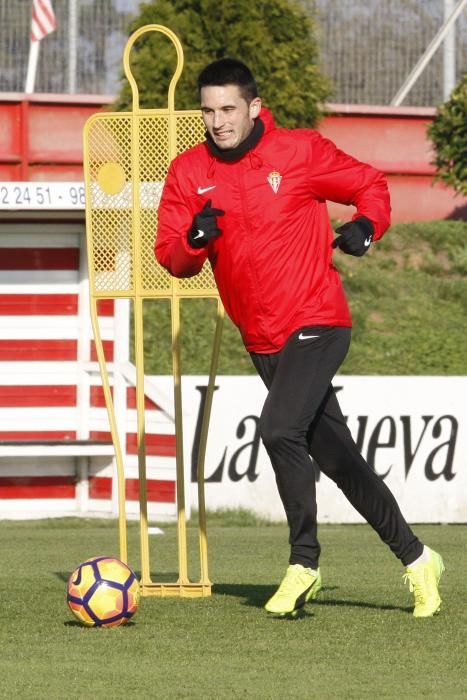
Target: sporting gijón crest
(274, 180)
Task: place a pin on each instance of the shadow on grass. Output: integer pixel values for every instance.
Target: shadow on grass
(256, 595)
(361, 604)
(165, 577)
(80, 625)
(62, 575)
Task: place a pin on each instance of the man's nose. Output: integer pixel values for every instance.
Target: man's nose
(218, 120)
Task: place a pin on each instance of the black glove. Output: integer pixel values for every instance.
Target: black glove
(204, 227)
(355, 236)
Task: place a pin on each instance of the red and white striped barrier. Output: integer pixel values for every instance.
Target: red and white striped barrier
(51, 399)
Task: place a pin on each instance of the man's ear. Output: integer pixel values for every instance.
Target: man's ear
(255, 107)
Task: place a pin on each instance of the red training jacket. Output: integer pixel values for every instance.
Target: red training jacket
(273, 261)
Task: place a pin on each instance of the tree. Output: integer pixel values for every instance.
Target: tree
(274, 37)
(448, 132)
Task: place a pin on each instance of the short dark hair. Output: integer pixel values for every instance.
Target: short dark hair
(229, 71)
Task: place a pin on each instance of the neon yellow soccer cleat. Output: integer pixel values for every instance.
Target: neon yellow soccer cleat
(298, 586)
(423, 582)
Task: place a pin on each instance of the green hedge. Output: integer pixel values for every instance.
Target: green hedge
(448, 132)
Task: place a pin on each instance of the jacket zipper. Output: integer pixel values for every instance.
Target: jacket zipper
(250, 256)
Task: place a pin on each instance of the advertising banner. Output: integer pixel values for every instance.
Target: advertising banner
(411, 430)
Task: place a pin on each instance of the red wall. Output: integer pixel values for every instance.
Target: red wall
(394, 140)
(41, 139)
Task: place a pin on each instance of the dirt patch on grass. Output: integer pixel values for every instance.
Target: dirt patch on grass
(417, 255)
(376, 317)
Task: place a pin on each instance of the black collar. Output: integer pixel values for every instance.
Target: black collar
(239, 151)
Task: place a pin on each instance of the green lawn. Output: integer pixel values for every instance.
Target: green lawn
(359, 640)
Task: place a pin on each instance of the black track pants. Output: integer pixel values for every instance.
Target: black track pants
(301, 417)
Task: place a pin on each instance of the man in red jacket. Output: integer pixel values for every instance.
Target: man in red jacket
(252, 200)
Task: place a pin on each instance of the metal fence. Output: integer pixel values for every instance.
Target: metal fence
(367, 47)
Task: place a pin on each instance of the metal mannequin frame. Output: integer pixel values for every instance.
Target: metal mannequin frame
(126, 157)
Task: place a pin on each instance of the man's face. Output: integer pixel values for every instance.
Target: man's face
(227, 115)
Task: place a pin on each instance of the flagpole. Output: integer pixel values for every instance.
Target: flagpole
(43, 22)
(32, 67)
(72, 45)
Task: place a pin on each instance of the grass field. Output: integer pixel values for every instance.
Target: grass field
(359, 640)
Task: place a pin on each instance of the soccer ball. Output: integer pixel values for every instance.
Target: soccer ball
(103, 592)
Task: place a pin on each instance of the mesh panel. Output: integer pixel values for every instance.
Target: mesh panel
(110, 221)
(153, 164)
(190, 130)
(122, 224)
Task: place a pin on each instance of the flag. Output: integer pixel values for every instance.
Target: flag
(43, 19)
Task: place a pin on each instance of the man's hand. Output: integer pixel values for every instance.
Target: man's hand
(355, 236)
(204, 227)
